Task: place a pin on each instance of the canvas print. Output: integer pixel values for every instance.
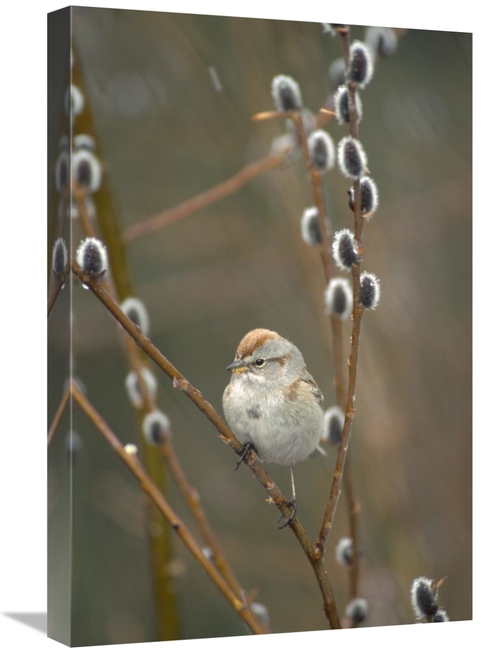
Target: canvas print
(259, 326)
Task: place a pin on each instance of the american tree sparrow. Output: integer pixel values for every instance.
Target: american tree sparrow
(272, 403)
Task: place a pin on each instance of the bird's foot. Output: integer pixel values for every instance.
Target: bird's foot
(293, 505)
(244, 452)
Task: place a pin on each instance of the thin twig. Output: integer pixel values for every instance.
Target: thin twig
(267, 115)
(346, 431)
(58, 414)
(317, 188)
(335, 320)
(189, 491)
(80, 195)
(193, 500)
(225, 434)
(357, 314)
(148, 487)
(353, 511)
(225, 188)
(217, 192)
(55, 288)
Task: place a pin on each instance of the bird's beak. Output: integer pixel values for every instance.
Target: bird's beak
(236, 367)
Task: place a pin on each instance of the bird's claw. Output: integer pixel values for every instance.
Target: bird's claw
(243, 453)
(293, 505)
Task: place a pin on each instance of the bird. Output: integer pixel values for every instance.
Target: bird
(272, 403)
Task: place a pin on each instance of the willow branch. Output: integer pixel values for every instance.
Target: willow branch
(336, 330)
(357, 315)
(151, 490)
(346, 431)
(193, 500)
(353, 511)
(148, 406)
(225, 434)
(58, 414)
(214, 194)
(217, 192)
(55, 288)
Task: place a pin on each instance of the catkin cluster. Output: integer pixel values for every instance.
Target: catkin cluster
(357, 72)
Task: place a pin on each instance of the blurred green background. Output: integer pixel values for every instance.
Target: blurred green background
(166, 133)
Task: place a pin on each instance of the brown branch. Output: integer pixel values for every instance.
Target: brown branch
(336, 329)
(226, 435)
(152, 461)
(346, 431)
(267, 115)
(352, 369)
(151, 490)
(317, 188)
(189, 491)
(218, 192)
(58, 415)
(353, 510)
(80, 194)
(193, 500)
(55, 288)
(225, 188)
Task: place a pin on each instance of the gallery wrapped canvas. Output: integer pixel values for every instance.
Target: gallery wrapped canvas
(259, 326)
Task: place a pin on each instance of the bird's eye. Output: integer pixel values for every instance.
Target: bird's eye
(259, 362)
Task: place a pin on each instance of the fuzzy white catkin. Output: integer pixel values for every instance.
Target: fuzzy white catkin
(381, 40)
(423, 596)
(369, 196)
(321, 150)
(132, 387)
(352, 157)
(357, 610)
(344, 249)
(62, 171)
(309, 226)
(341, 105)
(92, 256)
(360, 69)
(136, 311)
(87, 170)
(343, 551)
(333, 424)
(369, 290)
(338, 298)
(286, 93)
(59, 257)
(154, 426)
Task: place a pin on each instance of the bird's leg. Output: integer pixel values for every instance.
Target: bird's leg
(292, 504)
(243, 453)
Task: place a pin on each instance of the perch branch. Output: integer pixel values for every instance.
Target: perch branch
(226, 435)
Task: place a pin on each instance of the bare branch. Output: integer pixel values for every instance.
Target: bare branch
(225, 433)
(148, 487)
